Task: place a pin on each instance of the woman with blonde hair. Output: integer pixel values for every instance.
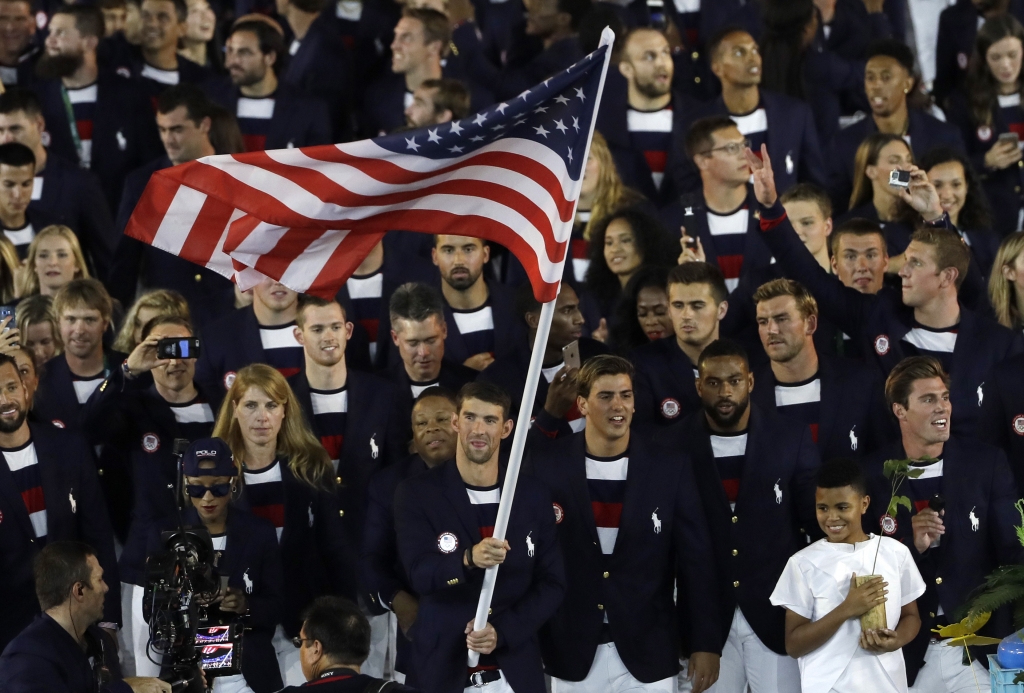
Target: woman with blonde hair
(149, 305)
(10, 272)
(1006, 283)
(288, 479)
(38, 328)
(873, 198)
(54, 259)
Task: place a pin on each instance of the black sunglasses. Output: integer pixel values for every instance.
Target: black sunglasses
(198, 490)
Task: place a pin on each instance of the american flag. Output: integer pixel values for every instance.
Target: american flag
(307, 217)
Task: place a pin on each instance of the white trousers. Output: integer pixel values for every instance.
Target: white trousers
(943, 670)
(499, 686)
(609, 675)
(147, 662)
(288, 659)
(125, 642)
(746, 661)
(381, 661)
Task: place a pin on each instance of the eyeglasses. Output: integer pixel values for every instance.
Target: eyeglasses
(299, 642)
(198, 490)
(732, 149)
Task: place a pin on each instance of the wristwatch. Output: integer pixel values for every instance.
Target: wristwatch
(127, 371)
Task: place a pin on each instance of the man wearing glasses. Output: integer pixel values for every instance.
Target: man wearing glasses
(718, 225)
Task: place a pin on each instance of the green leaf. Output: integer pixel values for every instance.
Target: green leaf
(914, 473)
(890, 467)
(891, 510)
(904, 501)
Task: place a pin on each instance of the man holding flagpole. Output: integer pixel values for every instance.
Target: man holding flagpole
(444, 519)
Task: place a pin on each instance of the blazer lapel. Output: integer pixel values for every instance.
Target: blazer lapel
(9, 491)
(455, 491)
(578, 481)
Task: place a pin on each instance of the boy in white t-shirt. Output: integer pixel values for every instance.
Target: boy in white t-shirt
(823, 607)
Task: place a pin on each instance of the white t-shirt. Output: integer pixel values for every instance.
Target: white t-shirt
(816, 580)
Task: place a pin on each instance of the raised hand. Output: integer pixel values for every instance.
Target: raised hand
(764, 177)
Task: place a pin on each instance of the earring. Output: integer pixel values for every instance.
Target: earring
(906, 91)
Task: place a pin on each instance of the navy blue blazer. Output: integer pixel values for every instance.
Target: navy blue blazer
(209, 295)
(372, 440)
(925, 132)
(664, 387)
(74, 197)
(852, 28)
(322, 68)
(188, 73)
(44, 657)
(979, 519)
(55, 402)
(773, 519)
(381, 575)
(509, 332)
(880, 321)
(690, 211)
(958, 27)
(74, 511)
(663, 538)
(229, 344)
(124, 134)
(1001, 419)
(452, 376)
(853, 417)
(717, 15)
(509, 373)
(133, 418)
(298, 121)
(792, 142)
(530, 586)
(629, 160)
(316, 556)
(251, 561)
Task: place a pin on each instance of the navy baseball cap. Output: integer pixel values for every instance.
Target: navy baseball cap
(209, 450)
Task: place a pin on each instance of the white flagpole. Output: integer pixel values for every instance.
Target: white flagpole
(547, 312)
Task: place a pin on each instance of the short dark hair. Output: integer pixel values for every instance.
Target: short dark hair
(949, 249)
(700, 273)
(908, 371)
(197, 105)
(840, 472)
(20, 99)
(308, 300)
(598, 366)
(452, 95)
(699, 138)
(269, 39)
(88, 18)
(9, 360)
(976, 213)
(169, 319)
(58, 568)
(715, 42)
(485, 392)
(892, 48)
(17, 154)
(416, 302)
(721, 348)
(438, 391)
(808, 192)
(436, 26)
(856, 227)
(340, 627)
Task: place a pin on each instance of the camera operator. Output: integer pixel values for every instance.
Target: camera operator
(48, 492)
(63, 650)
(141, 418)
(245, 552)
(333, 643)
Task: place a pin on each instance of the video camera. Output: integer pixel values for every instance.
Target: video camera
(181, 582)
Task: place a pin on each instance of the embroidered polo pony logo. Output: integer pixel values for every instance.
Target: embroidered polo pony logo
(529, 546)
(657, 521)
(247, 581)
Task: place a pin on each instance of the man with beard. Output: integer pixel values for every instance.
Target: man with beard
(17, 52)
(141, 417)
(785, 124)
(61, 189)
(756, 472)
(112, 132)
(385, 586)
(48, 492)
(271, 115)
(480, 315)
(840, 400)
(635, 495)
(445, 520)
(956, 546)
(666, 368)
(644, 123)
